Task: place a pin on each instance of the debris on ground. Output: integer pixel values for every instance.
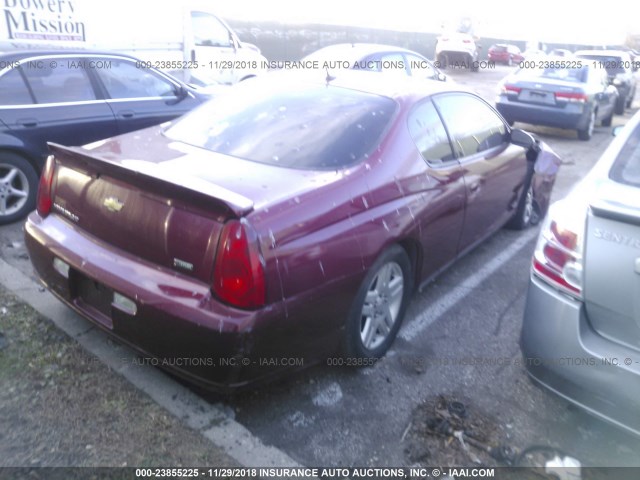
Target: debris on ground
(447, 430)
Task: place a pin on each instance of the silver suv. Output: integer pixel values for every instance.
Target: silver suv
(581, 329)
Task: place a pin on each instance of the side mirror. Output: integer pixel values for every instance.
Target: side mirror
(522, 138)
(181, 93)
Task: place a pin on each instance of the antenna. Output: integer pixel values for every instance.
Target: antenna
(329, 77)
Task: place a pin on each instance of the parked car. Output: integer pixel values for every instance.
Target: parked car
(581, 330)
(504, 53)
(619, 66)
(562, 93)
(290, 218)
(533, 53)
(376, 58)
(561, 52)
(457, 49)
(72, 98)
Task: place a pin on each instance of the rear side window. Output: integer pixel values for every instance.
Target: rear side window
(13, 90)
(475, 127)
(296, 126)
(58, 81)
(429, 134)
(626, 168)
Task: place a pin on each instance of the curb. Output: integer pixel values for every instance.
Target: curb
(211, 421)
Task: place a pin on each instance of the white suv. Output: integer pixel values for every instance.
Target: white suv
(457, 50)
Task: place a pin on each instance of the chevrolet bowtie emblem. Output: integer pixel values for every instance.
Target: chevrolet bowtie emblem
(113, 204)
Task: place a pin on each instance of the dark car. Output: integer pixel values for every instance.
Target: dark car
(620, 69)
(503, 53)
(581, 328)
(376, 58)
(73, 98)
(561, 93)
(288, 219)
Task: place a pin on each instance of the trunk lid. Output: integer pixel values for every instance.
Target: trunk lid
(550, 93)
(612, 263)
(165, 201)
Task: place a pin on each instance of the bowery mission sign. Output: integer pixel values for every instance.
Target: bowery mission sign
(49, 20)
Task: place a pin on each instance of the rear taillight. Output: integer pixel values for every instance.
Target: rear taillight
(511, 89)
(572, 97)
(238, 275)
(45, 188)
(558, 255)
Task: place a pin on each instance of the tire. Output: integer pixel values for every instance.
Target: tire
(473, 66)
(630, 100)
(525, 213)
(379, 306)
(18, 187)
(606, 122)
(587, 132)
(620, 106)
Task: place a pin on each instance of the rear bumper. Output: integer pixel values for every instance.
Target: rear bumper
(564, 354)
(572, 116)
(177, 322)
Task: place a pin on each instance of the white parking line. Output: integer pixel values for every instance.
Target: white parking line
(439, 308)
(212, 421)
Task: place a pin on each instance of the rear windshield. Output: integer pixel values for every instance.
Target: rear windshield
(626, 168)
(578, 75)
(306, 126)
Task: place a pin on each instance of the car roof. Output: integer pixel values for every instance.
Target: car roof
(360, 49)
(15, 55)
(396, 87)
(603, 53)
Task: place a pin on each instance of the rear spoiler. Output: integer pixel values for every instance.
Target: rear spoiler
(193, 191)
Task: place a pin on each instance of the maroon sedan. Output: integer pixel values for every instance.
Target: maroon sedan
(503, 53)
(282, 223)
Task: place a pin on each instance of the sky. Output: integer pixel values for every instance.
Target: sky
(561, 21)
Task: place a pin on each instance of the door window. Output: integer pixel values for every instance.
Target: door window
(124, 80)
(420, 67)
(473, 124)
(208, 31)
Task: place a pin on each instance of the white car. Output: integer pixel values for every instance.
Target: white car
(457, 49)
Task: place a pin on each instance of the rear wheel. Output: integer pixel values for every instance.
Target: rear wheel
(18, 187)
(587, 132)
(379, 306)
(620, 106)
(606, 122)
(473, 65)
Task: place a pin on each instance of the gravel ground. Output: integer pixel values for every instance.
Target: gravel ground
(59, 406)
